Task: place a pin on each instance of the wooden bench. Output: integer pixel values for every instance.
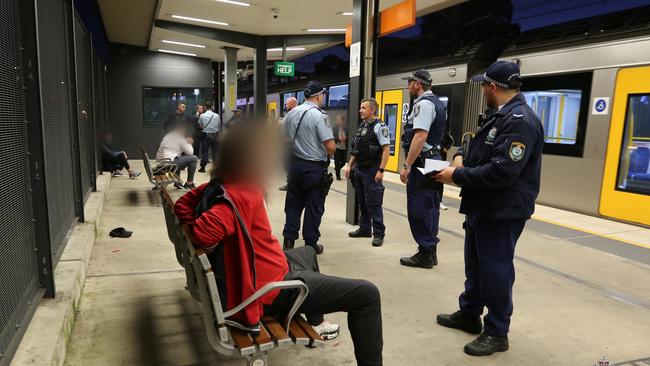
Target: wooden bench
(224, 338)
(162, 174)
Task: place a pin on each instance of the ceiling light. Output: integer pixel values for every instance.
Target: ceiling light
(240, 3)
(183, 44)
(326, 30)
(199, 20)
(288, 49)
(346, 13)
(178, 53)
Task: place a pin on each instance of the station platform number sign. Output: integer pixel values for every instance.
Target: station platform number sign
(283, 68)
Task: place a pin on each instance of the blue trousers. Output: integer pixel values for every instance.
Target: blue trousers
(304, 194)
(423, 208)
(489, 270)
(370, 198)
(208, 145)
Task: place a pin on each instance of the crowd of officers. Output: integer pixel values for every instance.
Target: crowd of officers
(499, 176)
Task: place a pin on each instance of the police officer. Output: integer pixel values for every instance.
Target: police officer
(312, 141)
(500, 177)
(421, 140)
(370, 151)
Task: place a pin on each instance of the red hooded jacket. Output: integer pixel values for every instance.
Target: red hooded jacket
(219, 225)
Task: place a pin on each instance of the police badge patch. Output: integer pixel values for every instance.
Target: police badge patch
(416, 110)
(384, 132)
(491, 136)
(364, 132)
(327, 121)
(517, 150)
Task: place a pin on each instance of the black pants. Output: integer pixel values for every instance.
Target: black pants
(340, 158)
(328, 294)
(208, 148)
(120, 162)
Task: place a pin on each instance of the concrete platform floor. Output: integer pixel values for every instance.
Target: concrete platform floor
(573, 304)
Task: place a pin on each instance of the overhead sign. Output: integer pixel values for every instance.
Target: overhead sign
(355, 59)
(283, 68)
(397, 17)
(600, 105)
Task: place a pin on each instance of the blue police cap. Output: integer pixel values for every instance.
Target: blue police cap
(504, 74)
(314, 88)
(421, 76)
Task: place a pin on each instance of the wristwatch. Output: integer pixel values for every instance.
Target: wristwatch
(381, 170)
(406, 166)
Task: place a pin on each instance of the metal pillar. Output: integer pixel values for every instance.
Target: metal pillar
(364, 30)
(259, 84)
(217, 97)
(230, 82)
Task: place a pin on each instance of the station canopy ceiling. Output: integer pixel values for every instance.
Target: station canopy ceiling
(131, 22)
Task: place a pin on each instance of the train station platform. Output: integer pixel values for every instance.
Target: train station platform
(581, 292)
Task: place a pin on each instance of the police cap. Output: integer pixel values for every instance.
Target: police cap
(504, 74)
(422, 76)
(314, 88)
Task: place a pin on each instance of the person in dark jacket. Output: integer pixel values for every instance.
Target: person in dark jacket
(500, 178)
(176, 118)
(115, 161)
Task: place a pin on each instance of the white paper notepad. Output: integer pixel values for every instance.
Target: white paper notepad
(432, 165)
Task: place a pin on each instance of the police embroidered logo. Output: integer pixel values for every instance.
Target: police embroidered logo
(491, 136)
(416, 110)
(517, 150)
(364, 132)
(327, 121)
(384, 132)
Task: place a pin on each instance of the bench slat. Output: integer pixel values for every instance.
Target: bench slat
(243, 342)
(315, 339)
(298, 335)
(277, 331)
(264, 340)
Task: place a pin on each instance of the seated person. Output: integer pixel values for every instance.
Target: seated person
(247, 158)
(177, 148)
(113, 160)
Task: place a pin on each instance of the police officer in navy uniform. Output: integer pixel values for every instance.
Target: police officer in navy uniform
(312, 142)
(370, 152)
(421, 140)
(500, 177)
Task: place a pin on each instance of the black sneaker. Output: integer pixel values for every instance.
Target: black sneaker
(318, 248)
(178, 185)
(202, 169)
(486, 345)
(358, 233)
(377, 241)
(470, 324)
(288, 244)
(284, 188)
(422, 259)
(189, 186)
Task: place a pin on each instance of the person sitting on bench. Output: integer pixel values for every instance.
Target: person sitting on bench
(244, 165)
(177, 148)
(115, 160)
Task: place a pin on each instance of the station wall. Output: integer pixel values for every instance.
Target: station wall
(130, 69)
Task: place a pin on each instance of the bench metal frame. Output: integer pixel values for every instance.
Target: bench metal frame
(166, 171)
(202, 285)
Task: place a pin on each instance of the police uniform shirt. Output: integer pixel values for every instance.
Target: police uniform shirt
(382, 132)
(423, 115)
(314, 130)
(207, 125)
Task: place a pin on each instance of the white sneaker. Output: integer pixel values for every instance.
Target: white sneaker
(442, 206)
(134, 174)
(327, 330)
(119, 173)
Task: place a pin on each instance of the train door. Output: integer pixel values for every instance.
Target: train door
(390, 111)
(272, 111)
(625, 193)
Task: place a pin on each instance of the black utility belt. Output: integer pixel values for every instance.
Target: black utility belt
(214, 135)
(323, 164)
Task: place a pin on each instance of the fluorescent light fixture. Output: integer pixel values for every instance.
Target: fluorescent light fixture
(183, 44)
(347, 13)
(240, 3)
(199, 20)
(178, 53)
(288, 49)
(326, 30)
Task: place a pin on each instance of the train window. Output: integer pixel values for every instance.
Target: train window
(634, 161)
(390, 118)
(158, 103)
(562, 104)
(339, 96)
(301, 97)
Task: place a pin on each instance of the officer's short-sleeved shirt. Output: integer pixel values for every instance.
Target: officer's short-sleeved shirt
(382, 133)
(314, 130)
(210, 122)
(422, 115)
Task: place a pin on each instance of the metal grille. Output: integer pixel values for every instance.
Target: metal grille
(85, 107)
(474, 104)
(18, 271)
(57, 134)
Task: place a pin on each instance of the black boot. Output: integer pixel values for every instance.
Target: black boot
(434, 255)
(377, 241)
(486, 345)
(358, 233)
(317, 247)
(288, 244)
(470, 324)
(202, 169)
(422, 258)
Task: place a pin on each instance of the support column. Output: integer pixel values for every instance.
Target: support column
(259, 84)
(362, 86)
(230, 82)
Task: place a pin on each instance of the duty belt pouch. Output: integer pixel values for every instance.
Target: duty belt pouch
(326, 183)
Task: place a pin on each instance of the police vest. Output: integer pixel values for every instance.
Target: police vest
(437, 129)
(365, 145)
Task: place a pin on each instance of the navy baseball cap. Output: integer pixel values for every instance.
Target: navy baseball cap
(314, 88)
(504, 74)
(420, 75)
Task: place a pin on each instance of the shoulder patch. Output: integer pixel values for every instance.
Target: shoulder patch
(326, 119)
(384, 132)
(517, 150)
(515, 115)
(416, 110)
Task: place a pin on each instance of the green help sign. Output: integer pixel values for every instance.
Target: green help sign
(284, 68)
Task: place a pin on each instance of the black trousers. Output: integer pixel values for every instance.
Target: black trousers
(208, 148)
(120, 162)
(340, 158)
(329, 294)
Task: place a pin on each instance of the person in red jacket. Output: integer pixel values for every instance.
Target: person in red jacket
(245, 164)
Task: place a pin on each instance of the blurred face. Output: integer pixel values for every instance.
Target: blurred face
(490, 94)
(366, 111)
(200, 109)
(260, 160)
(181, 108)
